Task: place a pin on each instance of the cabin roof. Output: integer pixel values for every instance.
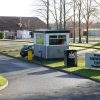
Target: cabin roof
(52, 31)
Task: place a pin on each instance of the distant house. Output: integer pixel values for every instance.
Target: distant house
(23, 34)
(92, 32)
(11, 25)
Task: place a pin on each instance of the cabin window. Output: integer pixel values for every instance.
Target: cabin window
(57, 39)
(39, 39)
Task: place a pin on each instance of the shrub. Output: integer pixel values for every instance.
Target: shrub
(1, 35)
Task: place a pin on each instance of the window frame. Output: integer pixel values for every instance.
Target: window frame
(58, 38)
(37, 39)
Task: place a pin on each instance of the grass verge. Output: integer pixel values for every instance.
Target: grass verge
(3, 81)
(81, 69)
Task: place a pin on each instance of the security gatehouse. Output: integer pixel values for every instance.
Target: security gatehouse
(50, 44)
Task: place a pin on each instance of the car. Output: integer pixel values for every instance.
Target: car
(24, 50)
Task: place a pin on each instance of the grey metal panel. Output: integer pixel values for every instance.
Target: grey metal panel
(52, 51)
(38, 49)
(56, 51)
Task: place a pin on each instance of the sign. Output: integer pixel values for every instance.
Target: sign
(72, 55)
(92, 60)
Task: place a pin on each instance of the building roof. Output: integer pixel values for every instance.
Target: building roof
(15, 23)
(46, 31)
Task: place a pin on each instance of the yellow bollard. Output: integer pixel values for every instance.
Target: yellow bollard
(30, 54)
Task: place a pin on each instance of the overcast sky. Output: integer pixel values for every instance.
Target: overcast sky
(16, 7)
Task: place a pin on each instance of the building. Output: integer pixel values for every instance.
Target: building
(13, 24)
(92, 32)
(50, 44)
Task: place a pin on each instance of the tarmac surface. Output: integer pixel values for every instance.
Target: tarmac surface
(34, 82)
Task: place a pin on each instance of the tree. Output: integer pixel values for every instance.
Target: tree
(64, 13)
(87, 21)
(61, 14)
(55, 11)
(89, 11)
(47, 14)
(59, 11)
(43, 10)
(79, 4)
(86, 11)
(1, 35)
(64, 10)
(74, 8)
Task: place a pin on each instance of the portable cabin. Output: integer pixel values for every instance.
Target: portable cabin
(50, 44)
(23, 34)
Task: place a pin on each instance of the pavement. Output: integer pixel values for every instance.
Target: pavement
(29, 81)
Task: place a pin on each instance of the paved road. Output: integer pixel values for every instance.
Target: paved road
(34, 82)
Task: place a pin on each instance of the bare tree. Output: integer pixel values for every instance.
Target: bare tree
(64, 10)
(56, 16)
(64, 13)
(74, 8)
(61, 14)
(85, 11)
(43, 10)
(55, 10)
(87, 21)
(79, 4)
(47, 14)
(90, 11)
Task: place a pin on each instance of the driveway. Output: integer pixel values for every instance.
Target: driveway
(33, 82)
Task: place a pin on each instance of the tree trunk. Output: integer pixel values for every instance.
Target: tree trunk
(80, 22)
(60, 14)
(47, 14)
(87, 23)
(64, 14)
(74, 23)
(56, 14)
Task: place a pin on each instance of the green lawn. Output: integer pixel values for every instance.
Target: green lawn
(85, 45)
(12, 47)
(14, 53)
(3, 81)
(81, 69)
(92, 73)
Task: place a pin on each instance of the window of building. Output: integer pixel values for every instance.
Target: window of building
(39, 39)
(53, 36)
(57, 39)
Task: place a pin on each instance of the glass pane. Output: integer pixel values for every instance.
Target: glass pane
(53, 36)
(39, 39)
(53, 42)
(57, 41)
(62, 36)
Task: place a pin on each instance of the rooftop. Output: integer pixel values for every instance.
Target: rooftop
(51, 31)
(15, 23)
